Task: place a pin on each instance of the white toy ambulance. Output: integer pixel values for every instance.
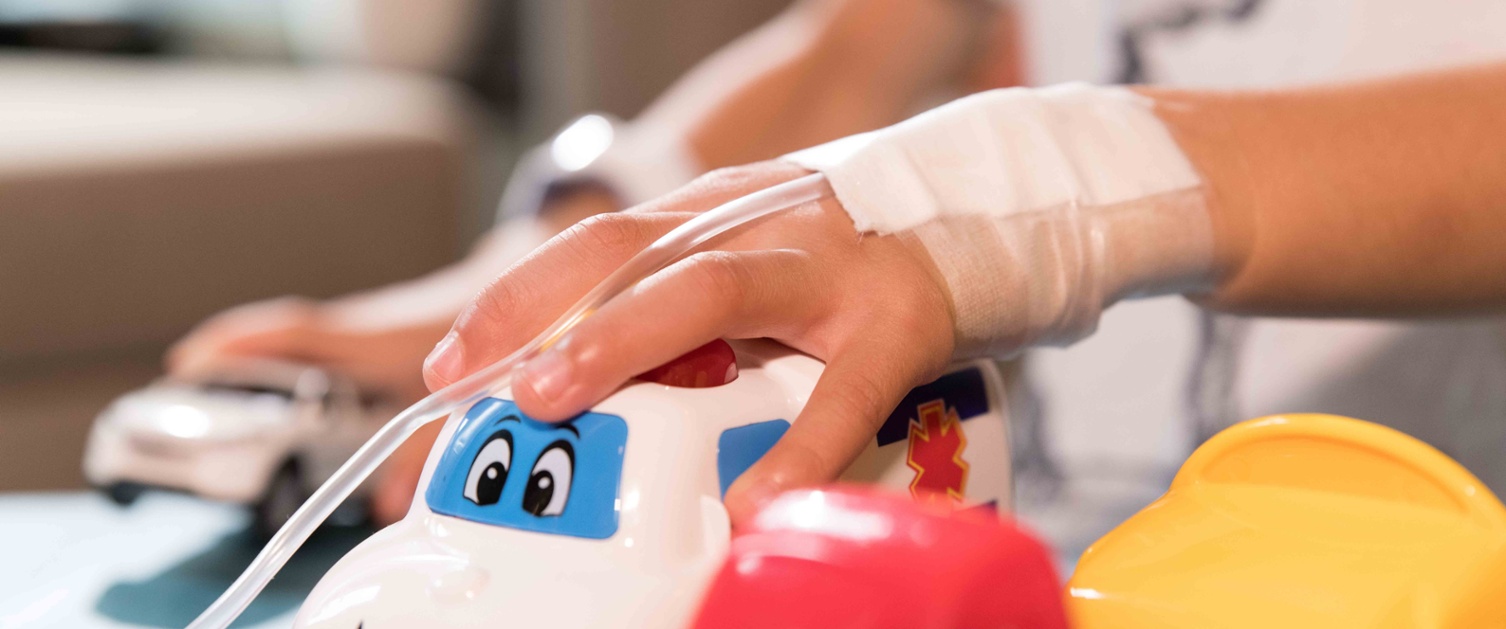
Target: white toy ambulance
(614, 518)
(260, 433)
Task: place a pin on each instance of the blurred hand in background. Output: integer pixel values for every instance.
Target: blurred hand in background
(378, 338)
(821, 70)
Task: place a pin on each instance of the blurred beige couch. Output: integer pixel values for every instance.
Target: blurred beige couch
(137, 198)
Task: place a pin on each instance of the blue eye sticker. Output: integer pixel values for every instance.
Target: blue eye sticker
(506, 469)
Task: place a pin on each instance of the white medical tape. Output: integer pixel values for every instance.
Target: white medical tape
(1039, 206)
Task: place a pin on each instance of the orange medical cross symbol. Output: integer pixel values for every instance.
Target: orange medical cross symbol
(936, 446)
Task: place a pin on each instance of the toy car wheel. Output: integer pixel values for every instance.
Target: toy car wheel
(284, 495)
(355, 511)
(124, 494)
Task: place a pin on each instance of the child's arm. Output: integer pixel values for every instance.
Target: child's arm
(1377, 198)
(1385, 198)
(824, 69)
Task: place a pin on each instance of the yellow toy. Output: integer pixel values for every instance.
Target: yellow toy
(1300, 521)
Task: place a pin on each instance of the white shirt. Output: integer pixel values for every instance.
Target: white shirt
(1121, 397)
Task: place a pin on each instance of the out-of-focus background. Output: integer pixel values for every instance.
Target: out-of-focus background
(161, 160)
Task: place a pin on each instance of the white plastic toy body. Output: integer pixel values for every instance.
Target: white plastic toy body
(615, 518)
(258, 433)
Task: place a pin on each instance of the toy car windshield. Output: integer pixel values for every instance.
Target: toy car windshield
(506, 469)
(216, 386)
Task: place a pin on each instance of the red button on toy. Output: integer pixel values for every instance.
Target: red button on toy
(710, 365)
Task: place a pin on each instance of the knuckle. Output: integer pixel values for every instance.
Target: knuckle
(915, 318)
(592, 354)
(808, 464)
(731, 181)
(606, 233)
(718, 276)
(862, 394)
(496, 304)
(730, 175)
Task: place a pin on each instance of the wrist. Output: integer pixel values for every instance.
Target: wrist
(1153, 246)
(1205, 128)
(1040, 207)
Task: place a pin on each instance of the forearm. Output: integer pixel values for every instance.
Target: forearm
(1385, 198)
(822, 70)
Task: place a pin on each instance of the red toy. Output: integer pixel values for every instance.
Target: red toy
(859, 558)
(711, 365)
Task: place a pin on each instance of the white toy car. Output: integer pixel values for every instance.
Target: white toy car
(614, 518)
(259, 433)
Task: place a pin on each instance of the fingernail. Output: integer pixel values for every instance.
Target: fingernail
(747, 499)
(760, 493)
(447, 359)
(548, 374)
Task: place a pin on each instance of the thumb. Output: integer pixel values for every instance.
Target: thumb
(851, 400)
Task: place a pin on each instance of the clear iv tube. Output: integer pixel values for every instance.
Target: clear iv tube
(663, 252)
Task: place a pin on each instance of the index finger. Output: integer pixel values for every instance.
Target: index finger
(528, 297)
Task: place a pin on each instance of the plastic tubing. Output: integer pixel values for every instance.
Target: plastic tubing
(461, 394)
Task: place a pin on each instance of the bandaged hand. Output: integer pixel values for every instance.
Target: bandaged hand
(1040, 207)
(1001, 234)
(873, 308)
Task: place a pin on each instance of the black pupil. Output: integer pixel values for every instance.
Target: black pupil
(540, 490)
(489, 486)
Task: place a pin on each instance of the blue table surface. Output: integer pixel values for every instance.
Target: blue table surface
(75, 560)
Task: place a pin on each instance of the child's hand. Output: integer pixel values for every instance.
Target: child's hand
(381, 359)
(378, 338)
(872, 307)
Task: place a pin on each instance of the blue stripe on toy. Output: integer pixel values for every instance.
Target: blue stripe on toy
(963, 390)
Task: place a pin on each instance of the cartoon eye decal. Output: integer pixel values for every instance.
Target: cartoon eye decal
(549, 484)
(483, 485)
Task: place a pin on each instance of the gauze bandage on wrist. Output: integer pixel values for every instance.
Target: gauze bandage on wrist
(1039, 207)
